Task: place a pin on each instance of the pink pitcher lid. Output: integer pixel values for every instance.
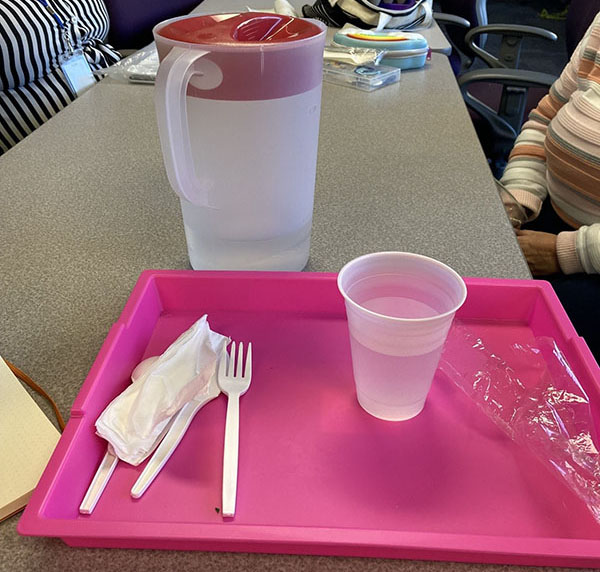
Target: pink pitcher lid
(249, 28)
(260, 55)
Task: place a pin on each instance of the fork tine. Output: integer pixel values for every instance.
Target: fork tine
(248, 369)
(240, 360)
(230, 369)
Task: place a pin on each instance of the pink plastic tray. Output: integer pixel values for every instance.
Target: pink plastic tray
(317, 474)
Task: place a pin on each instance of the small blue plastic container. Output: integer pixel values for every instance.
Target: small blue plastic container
(405, 50)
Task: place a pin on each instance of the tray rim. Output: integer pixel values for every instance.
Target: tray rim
(294, 539)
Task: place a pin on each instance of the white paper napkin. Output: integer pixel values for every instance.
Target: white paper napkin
(133, 421)
(280, 7)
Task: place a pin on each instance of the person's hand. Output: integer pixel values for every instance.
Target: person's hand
(539, 249)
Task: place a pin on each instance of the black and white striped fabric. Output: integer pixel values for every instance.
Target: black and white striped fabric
(376, 13)
(32, 85)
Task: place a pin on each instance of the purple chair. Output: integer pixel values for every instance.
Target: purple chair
(131, 21)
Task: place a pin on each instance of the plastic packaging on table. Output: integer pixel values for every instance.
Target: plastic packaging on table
(140, 67)
(515, 212)
(353, 55)
(533, 395)
(363, 77)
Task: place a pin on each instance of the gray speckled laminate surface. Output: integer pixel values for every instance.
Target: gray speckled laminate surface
(401, 169)
(86, 207)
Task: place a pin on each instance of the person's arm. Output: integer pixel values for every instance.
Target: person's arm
(525, 173)
(579, 250)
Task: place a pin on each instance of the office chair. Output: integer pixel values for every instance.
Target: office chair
(455, 18)
(500, 97)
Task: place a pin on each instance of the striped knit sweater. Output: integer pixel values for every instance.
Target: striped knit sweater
(32, 85)
(557, 153)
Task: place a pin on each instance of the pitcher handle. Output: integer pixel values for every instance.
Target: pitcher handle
(172, 78)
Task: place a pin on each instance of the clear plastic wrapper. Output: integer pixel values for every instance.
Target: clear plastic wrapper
(139, 67)
(353, 55)
(532, 394)
(515, 212)
(363, 77)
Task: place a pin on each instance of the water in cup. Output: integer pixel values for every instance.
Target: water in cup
(397, 386)
(400, 307)
(396, 383)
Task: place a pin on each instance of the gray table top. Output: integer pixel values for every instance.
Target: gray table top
(86, 207)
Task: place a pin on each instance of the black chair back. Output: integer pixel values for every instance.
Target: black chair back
(475, 11)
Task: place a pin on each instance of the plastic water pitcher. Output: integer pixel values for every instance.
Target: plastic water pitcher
(238, 99)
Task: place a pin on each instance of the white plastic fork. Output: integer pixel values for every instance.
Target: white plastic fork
(234, 385)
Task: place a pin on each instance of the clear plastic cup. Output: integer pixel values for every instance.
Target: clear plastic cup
(400, 307)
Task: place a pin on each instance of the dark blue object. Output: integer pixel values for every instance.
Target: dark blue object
(131, 21)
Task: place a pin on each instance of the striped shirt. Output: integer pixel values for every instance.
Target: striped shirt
(557, 153)
(32, 85)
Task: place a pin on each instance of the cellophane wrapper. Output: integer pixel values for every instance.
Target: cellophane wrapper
(533, 395)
